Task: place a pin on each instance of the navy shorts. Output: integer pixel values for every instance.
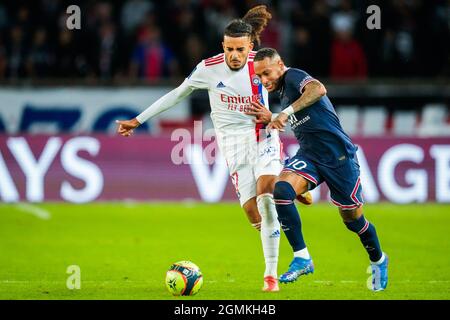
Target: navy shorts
(344, 181)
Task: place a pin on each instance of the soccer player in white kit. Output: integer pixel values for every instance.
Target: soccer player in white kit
(254, 159)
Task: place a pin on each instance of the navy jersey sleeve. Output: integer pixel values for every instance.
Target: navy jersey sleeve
(298, 79)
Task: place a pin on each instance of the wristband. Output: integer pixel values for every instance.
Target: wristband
(289, 110)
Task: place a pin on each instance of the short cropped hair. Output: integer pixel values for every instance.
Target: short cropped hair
(263, 53)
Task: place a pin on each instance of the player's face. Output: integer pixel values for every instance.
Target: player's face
(236, 51)
(270, 72)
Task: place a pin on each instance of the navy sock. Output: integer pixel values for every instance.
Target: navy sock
(288, 216)
(368, 235)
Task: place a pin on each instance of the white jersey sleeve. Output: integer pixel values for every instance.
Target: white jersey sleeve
(196, 80)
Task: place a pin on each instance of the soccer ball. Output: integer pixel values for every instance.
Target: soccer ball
(184, 278)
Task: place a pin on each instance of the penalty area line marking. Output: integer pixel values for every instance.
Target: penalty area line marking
(34, 210)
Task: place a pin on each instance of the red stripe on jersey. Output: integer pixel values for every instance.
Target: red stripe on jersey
(214, 58)
(214, 63)
(251, 73)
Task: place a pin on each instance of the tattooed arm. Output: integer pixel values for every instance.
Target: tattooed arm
(312, 92)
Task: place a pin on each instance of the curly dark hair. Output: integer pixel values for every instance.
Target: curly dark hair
(252, 24)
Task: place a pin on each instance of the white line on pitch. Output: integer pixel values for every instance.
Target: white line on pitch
(402, 281)
(34, 210)
(330, 282)
(208, 281)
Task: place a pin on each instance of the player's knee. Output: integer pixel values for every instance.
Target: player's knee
(284, 191)
(266, 207)
(350, 215)
(357, 224)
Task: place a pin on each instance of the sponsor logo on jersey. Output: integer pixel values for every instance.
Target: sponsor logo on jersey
(240, 99)
(295, 122)
(220, 85)
(239, 103)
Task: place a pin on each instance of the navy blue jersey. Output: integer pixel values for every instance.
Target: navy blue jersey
(317, 127)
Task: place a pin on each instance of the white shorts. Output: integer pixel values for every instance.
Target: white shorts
(266, 160)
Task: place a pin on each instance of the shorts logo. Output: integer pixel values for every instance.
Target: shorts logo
(269, 150)
(255, 80)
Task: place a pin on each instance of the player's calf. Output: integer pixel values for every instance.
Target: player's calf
(251, 209)
(369, 238)
(270, 233)
(288, 215)
(284, 195)
(292, 186)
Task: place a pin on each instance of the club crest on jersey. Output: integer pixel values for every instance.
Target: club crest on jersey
(255, 80)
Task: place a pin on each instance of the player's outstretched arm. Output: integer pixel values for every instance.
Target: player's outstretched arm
(126, 127)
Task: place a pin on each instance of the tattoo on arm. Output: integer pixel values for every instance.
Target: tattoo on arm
(313, 91)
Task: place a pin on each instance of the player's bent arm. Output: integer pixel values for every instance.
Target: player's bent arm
(166, 102)
(312, 92)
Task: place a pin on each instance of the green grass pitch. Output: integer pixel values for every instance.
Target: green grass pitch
(124, 251)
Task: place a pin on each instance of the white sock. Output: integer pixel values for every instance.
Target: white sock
(379, 261)
(302, 254)
(270, 232)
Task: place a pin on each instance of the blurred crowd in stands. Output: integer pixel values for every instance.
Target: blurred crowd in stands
(154, 40)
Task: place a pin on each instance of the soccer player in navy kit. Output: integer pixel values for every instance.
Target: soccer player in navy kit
(326, 154)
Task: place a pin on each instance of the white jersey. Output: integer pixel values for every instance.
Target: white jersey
(248, 151)
(230, 95)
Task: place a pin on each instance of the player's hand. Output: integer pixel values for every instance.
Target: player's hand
(126, 127)
(278, 123)
(261, 113)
